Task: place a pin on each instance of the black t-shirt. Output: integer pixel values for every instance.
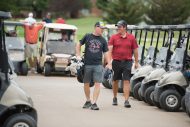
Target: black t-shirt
(95, 46)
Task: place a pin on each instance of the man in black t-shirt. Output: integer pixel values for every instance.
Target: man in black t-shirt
(95, 47)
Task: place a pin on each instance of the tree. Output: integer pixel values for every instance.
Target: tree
(165, 12)
(15, 6)
(9, 5)
(39, 6)
(102, 4)
(70, 8)
(130, 10)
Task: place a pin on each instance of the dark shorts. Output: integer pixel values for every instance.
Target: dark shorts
(121, 69)
(93, 72)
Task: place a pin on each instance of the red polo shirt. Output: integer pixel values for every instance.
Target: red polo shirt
(123, 47)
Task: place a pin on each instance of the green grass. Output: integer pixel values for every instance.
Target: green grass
(85, 25)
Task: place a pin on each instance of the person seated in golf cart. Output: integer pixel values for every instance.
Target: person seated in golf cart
(10, 31)
(60, 20)
(64, 37)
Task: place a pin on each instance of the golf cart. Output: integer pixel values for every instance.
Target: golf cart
(109, 31)
(187, 100)
(160, 65)
(57, 48)
(16, 107)
(171, 86)
(15, 45)
(187, 94)
(147, 63)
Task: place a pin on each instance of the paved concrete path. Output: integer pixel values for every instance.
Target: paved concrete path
(59, 101)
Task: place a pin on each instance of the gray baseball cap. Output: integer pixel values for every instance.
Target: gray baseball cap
(121, 23)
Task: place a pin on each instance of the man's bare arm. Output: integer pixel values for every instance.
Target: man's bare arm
(136, 57)
(78, 50)
(110, 54)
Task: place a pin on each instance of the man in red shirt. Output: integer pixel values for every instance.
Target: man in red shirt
(121, 48)
(60, 20)
(31, 39)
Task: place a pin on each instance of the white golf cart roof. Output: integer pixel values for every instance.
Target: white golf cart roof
(112, 26)
(60, 26)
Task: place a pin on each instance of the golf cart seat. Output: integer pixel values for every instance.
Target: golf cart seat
(5, 15)
(161, 58)
(0, 82)
(60, 47)
(176, 62)
(14, 43)
(140, 52)
(150, 56)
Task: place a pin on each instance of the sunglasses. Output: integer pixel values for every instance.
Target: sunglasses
(100, 27)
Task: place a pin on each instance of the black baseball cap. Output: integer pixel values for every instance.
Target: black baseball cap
(121, 23)
(100, 24)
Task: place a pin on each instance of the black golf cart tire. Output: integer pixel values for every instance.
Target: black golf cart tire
(91, 84)
(162, 100)
(106, 84)
(47, 69)
(120, 86)
(188, 112)
(148, 93)
(183, 103)
(20, 118)
(38, 68)
(155, 102)
(136, 91)
(24, 68)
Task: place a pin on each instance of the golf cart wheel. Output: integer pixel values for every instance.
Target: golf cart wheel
(47, 69)
(170, 100)
(183, 103)
(91, 84)
(188, 112)
(24, 68)
(120, 86)
(148, 95)
(153, 101)
(136, 91)
(20, 120)
(38, 69)
(106, 84)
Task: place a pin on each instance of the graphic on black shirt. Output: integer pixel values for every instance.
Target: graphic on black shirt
(94, 46)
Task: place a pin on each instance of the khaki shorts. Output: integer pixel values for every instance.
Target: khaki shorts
(31, 50)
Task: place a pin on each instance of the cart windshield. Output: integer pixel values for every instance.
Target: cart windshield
(61, 35)
(60, 42)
